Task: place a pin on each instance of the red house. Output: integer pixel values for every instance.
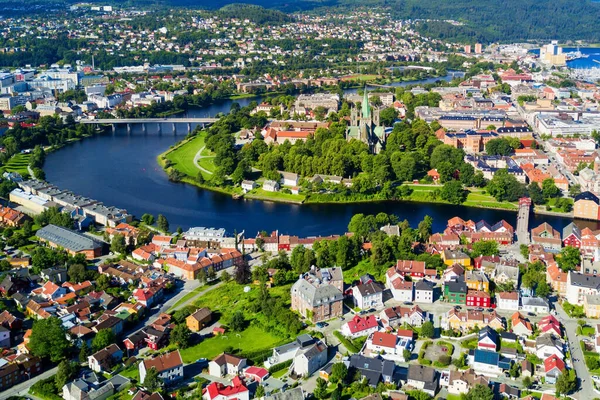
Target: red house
(572, 236)
(479, 260)
(135, 341)
(477, 298)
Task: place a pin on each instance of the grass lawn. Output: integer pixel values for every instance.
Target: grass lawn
(183, 156)
(131, 372)
(363, 267)
(552, 206)
(360, 77)
(187, 297)
(475, 198)
(250, 340)
(453, 396)
(17, 163)
(280, 373)
(260, 194)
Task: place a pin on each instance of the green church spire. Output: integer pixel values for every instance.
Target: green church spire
(366, 109)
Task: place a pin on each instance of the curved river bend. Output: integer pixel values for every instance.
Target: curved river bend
(121, 170)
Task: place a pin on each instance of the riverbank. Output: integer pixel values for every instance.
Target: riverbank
(182, 157)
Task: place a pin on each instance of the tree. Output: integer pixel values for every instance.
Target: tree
(320, 391)
(339, 372)
(84, 352)
(505, 187)
(535, 193)
(202, 276)
(575, 190)
(424, 228)
(152, 381)
(498, 147)
(260, 392)
(480, 392)
(566, 382)
(524, 250)
(102, 282)
(77, 273)
(103, 338)
(542, 289)
(453, 192)
(148, 219)
(225, 276)
(388, 116)
(406, 353)
(117, 244)
(242, 273)
(65, 372)
(362, 225)
(569, 258)
(211, 275)
(427, 330)
(485, 248)
(549, 189)
(527, 382)
(49, 339)
(180, 336)
(238, 322)
(162, 223)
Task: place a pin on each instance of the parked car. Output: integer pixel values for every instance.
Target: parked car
(321, 324)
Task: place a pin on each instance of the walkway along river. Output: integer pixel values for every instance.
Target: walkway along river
(121, 170)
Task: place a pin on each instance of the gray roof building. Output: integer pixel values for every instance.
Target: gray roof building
(67, 238)
(316, 295)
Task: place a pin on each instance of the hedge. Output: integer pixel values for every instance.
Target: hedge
(280, 366)
(347, 343)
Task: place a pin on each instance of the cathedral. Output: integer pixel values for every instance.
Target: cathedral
(365, 126)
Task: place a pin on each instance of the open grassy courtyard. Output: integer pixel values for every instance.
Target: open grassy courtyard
(182, 157)
(252, 339)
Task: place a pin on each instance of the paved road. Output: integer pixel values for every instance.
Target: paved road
(585, 391)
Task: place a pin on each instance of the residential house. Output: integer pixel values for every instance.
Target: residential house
(507, 301)
(546, 236)
(270, 186)
(148, 296)
(368, 295)
(105, 359)
(553, 368)
(557, 279)
(390, 346)
(218, 391)
(456, 292)
(465, 320)
(547, 345)
(396, 316)
(289, 351)
(488, 339)
(256, 374)
(373, 369)
(169, 367)
(454, 273)
(571, 235)
(488, 363)
(591, 306)
(520, 326)
(424, 292)
(318, 295)
(451, 257)
(401, 290)
(423, 378)
(226, 364)
(198, 320)
(579, 285)
(135, 341)
(460, 382)
(360, 326)
(415, 269)
(478, 298)
(503, 274)
(476, 280)
(9, 321)
(535, 305)
(310, 359)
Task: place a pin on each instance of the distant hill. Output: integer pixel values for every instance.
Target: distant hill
(483, 20)
(254, 13)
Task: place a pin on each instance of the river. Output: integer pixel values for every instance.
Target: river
(120, 169)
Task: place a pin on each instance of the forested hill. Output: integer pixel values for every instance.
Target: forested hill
(254, 13)
(483, 20)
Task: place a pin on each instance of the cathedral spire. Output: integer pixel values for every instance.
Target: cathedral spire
(366, 108)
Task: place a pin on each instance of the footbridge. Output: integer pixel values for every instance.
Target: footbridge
(523, 220)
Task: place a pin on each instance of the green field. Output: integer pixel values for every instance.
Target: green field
(17, 163)
(183, 155)
(475, 198)
(250, 340)
(260, 194)
(361, 77)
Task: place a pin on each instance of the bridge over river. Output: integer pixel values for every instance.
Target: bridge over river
(144, 121)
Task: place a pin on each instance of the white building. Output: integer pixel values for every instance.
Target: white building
(579, 285)
(535, 305)
(368, 295)
(169, 367)
(507, 301)
(401, 289)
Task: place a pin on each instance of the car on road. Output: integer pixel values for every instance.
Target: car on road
(321, 324)
(371, 310)
(408, 303)
(531, 314)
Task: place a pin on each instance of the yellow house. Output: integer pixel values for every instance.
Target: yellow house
(591, 306)
(199, 319)
(477, 280)
(452, 257)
